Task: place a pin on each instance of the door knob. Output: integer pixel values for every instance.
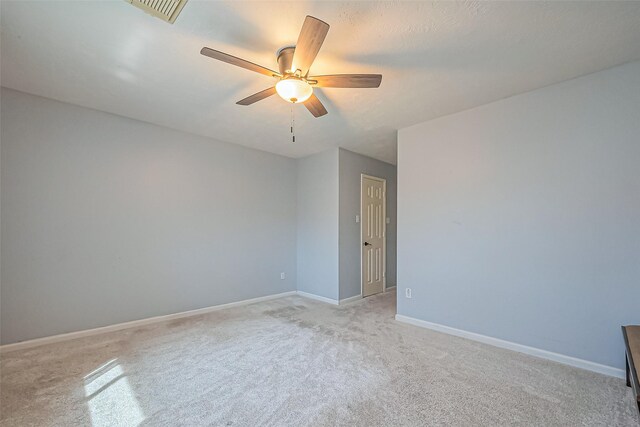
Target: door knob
(367, 244)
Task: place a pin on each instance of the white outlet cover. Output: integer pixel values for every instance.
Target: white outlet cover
(388, 220)
(407, 292)
(357, 219)
(282, 276)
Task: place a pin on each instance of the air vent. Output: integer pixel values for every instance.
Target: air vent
(167, 10)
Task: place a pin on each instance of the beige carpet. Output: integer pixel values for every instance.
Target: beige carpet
(298, 362)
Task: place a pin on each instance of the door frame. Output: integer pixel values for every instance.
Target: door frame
(384, 233)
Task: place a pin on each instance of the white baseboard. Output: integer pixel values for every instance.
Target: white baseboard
(135, 323)
(318, 298)
(350, 299)
(532, 351)
(338, 302)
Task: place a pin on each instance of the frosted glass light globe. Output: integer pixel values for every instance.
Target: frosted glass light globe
(294, 90)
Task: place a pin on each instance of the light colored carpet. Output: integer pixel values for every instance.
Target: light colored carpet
(298, 362)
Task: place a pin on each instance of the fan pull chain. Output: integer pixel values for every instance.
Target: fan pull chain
(293, 122)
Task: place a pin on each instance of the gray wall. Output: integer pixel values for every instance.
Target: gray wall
(318, 224)
(521, 219)
(106, 220)
(351, 165)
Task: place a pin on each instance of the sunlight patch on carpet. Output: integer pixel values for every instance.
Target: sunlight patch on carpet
(110, 398)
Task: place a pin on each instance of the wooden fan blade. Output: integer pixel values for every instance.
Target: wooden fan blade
(230, 59)
(257, 96)
(310, 40)
(348, 80)
(315, 107)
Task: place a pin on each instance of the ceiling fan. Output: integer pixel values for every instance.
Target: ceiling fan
(294, 83)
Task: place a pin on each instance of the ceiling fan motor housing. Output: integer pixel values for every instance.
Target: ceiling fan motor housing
(285, 58)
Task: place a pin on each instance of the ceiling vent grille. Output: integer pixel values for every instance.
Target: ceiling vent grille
(167, 10)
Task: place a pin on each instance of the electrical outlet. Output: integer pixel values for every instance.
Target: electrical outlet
(407, 292)
(388, 220)
(357, 218)
(282, 276)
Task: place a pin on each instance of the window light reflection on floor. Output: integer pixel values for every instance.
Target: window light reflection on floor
(110, 398)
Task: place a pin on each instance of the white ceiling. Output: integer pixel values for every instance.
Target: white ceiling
(436, 59)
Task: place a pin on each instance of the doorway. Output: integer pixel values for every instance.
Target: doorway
(373, 198)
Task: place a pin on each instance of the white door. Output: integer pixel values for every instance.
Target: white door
(372, 212)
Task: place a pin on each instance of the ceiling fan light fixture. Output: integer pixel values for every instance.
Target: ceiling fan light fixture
(294, 84)
(294, 90)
